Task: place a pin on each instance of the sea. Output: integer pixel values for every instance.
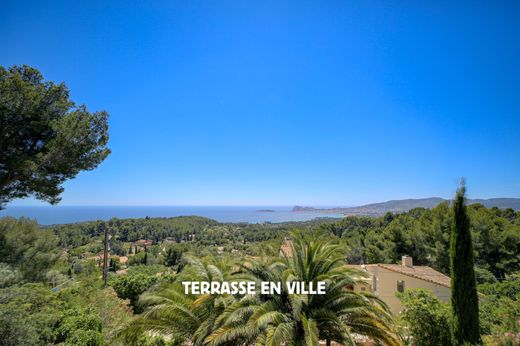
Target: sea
(51, 215)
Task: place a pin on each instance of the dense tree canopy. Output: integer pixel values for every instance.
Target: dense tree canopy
(26, 249)
(47, 271)
(424, 234)
(45, 138)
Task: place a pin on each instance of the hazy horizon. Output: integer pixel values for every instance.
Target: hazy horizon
(32, 203)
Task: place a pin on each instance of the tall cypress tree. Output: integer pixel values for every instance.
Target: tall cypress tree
(464, 299)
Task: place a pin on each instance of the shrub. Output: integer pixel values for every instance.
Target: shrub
(132, 286)
(426, 318)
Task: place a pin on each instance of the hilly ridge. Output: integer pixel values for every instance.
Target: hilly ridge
(404, 205)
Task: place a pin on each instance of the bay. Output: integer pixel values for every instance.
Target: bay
(49, 215)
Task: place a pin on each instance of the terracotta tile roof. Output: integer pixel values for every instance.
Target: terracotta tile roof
(420, 272)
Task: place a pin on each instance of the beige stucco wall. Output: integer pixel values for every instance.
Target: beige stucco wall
(387, 286)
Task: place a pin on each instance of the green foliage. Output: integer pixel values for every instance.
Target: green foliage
(464, 300)
(168, 311)
(420, 233)
(46, 138)
(151, 341)
(424, 234)
(33, 254)
(268, 319)
(55, 277)
(16, 328)
(497, 240)
(425, 317)
(104, 303)
(173, 255)
(143, 258)
(500, 310)
(8, 275)
(32, 314)
(131, 286)
(116, 248)
(83, 337)
(508, 288)
(484, 276)
(27, 249)
(28, 314)
(305, 319)
(175, 229)
(113, 264)
(81, 328)
(148, 270)
(499, 315)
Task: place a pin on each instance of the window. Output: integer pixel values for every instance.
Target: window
(363, 288)
(400, 285)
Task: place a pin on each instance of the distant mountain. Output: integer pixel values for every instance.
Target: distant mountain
(404, 205)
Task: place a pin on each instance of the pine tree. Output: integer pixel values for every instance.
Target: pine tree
(464, 300)
(113, 265)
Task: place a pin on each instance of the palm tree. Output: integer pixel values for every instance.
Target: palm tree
(274, 320)
(177, 316)
(301, 319)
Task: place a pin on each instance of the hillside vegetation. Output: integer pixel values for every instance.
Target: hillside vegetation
(405, 205)
(50, 278)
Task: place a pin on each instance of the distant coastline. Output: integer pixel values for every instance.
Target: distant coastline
(50, 215)
(404, 205)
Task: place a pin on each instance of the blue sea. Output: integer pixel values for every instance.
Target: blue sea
(50, 215)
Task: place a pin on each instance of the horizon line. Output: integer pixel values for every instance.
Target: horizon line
(241, 205)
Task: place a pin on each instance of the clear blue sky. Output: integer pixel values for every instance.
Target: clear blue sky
(284, 102)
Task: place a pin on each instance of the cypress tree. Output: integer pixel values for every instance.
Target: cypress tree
(464, 299)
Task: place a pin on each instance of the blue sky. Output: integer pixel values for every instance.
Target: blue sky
(284, 102)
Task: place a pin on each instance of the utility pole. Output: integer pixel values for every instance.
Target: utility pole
(105, 256)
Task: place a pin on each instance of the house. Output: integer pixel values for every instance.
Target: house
(385, 280)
